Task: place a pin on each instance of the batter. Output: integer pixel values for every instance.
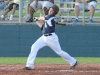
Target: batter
(49, 38)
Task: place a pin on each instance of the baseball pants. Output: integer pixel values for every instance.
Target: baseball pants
(51, 41)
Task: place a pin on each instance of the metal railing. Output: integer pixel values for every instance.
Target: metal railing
(83, 12)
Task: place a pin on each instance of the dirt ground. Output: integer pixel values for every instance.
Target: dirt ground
(51, 69)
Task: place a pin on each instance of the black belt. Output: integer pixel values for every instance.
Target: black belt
(47, 34)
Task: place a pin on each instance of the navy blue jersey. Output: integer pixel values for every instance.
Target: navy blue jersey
(49, 24)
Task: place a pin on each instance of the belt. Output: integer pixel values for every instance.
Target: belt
(47, 34)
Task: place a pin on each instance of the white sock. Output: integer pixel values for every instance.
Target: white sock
(11, 15)
(90, 17)
(76, 18)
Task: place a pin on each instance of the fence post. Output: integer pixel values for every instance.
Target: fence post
(20, 11)
(83, 12)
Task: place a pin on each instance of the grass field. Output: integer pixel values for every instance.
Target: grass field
(47, 60)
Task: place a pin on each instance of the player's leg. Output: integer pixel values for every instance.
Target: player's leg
(27, 16)
(41, 12)
(73, 4)
(68, 5)
(45, 11)
(46, 5)
(15, 6)
(78, 7)
(54, 44)
(61, 6)
(9, 8)
(91, 7)
(29, 2)
(69, 12)
(34, 49)
(33, 9)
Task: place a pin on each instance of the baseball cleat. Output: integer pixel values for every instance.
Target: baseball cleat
(73, 67)
(27, 68)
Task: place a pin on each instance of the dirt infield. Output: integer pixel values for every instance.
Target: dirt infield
(51, 69)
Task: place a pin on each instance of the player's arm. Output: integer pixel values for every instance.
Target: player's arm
(41, 18)
(39, 24)
(38, 21)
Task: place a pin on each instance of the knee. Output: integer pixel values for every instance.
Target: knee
(31, 9)
(76, 8)
(33, 46)
(36, 47)
(92, 7)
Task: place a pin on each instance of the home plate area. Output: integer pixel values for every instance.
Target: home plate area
(51, 69)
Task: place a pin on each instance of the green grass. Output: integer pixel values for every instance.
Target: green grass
(47, 60)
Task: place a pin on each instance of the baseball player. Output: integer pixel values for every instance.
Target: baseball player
(49, 38)
(35, 5)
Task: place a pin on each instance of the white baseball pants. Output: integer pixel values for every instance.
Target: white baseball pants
(51, 41)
